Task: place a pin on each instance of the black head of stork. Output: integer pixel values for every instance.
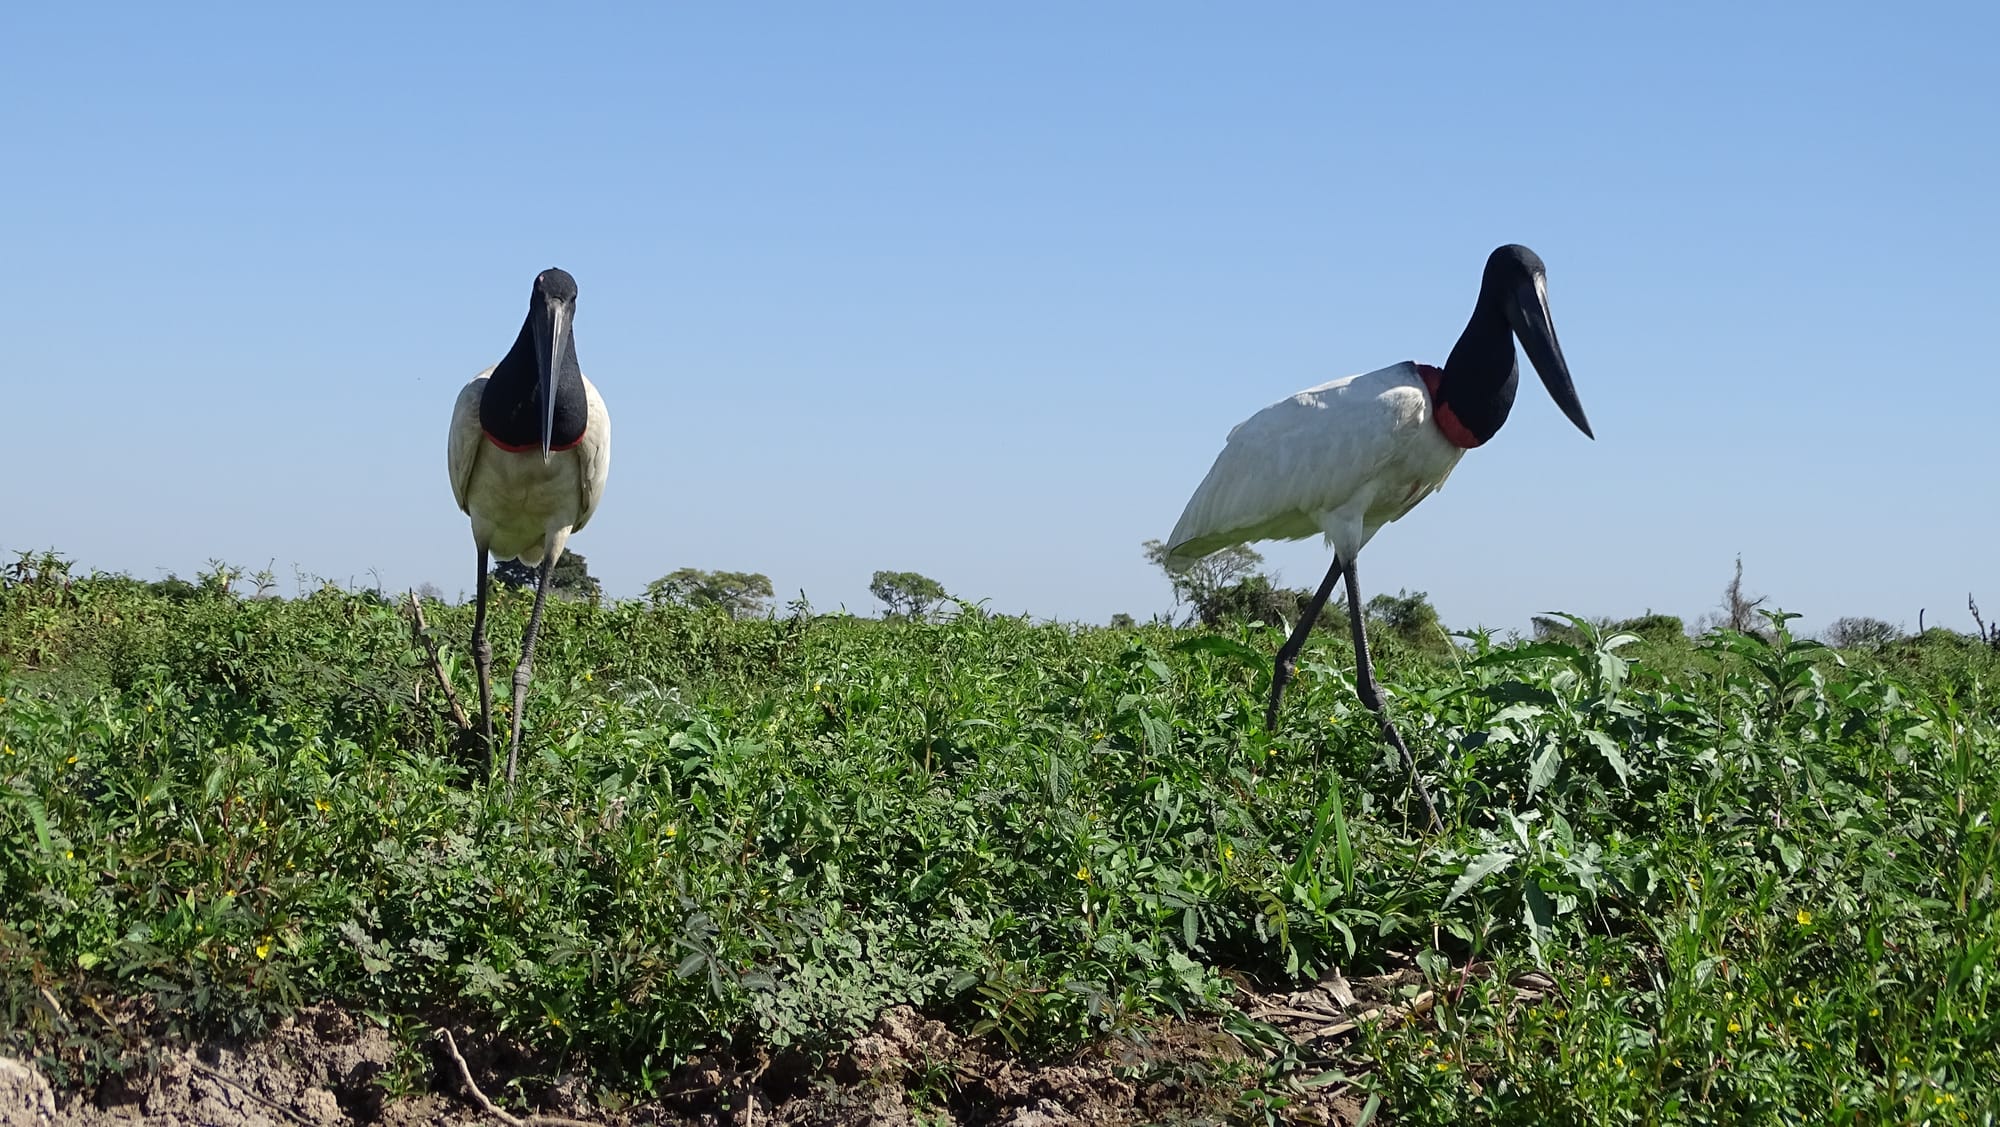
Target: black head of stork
(1480, 376)
(535, 396)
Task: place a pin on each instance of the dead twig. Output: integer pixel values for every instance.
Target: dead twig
(1990, 637)
(487, 1106)
(422, 632)
(1382, 1015)
(245, 1089)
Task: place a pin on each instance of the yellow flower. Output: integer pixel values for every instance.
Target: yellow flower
(555, 1021)
(1735, 1028)
(1797, 999)
(1804, 917)
(229, 895)
(72, 759)
(818, 685)
(69, 854)
(1083, 873)
(1228, 852)
(1444, 1066)
(323, 805)
(7, 748)
(1098, 736)
(264, 949)
(672, 829)
(1806, 1045)
(1876, 1012)
(1604, 981)
(586, 675)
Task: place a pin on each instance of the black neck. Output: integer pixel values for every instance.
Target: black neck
(510, 409)
(1480, 375)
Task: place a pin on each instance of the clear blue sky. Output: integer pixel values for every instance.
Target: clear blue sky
(977, 291)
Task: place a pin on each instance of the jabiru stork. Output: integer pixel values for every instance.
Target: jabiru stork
(1347, 457)
(529, 452)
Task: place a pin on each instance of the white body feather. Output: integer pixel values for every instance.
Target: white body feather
(1341, 459)
(521, 507)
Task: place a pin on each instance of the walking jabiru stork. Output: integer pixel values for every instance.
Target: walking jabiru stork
(530, 449)
(1347, 457)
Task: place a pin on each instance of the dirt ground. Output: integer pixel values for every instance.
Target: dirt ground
(323, 1068)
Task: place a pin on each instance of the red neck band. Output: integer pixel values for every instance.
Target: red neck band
(1446, 419)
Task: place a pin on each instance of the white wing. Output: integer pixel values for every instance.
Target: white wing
(463, 449)
(1340, 459)
(593, 455)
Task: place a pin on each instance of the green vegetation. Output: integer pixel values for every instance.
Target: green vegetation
(739, 594)
(907, 594)
(1760, 873)
(571, 576)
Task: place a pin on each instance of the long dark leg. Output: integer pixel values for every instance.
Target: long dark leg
(1364, 687)
(1288, 655)
(482, 657)
(526, 669)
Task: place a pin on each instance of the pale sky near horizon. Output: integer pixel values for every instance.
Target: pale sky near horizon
(978, 291)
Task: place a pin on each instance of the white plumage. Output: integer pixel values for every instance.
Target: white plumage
(529, 451)
(521, 507)
(1341, 460)
(1347, 457)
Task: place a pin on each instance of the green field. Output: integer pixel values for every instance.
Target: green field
(1759, 873)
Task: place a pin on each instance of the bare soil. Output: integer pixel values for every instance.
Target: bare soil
(324, 1068)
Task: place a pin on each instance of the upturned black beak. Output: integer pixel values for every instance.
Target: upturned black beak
(1529, 315)
(553, 331)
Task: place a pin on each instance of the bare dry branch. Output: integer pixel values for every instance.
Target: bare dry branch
(487, 1106)
(1990, 636)
(245, 1089)
(422, 632)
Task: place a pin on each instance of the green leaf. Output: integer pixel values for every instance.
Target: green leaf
(1533, 651)
(1789, 854)
(39, 815)
(1543, 771)
(1477, 870)
(1219, 646)
(1612, 753)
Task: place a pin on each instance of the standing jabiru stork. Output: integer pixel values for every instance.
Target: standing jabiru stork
(530, 449)
(1347, 457)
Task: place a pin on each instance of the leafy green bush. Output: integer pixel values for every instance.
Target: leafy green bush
(1762, 875)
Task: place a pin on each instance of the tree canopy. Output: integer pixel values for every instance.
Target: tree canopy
(1202, 580)
(906, 593)
(742, 594)
(571, 577)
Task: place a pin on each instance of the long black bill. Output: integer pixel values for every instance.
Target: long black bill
(550, 360)
(1536, 327)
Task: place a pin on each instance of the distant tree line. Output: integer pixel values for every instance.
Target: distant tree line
(1227, 587)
